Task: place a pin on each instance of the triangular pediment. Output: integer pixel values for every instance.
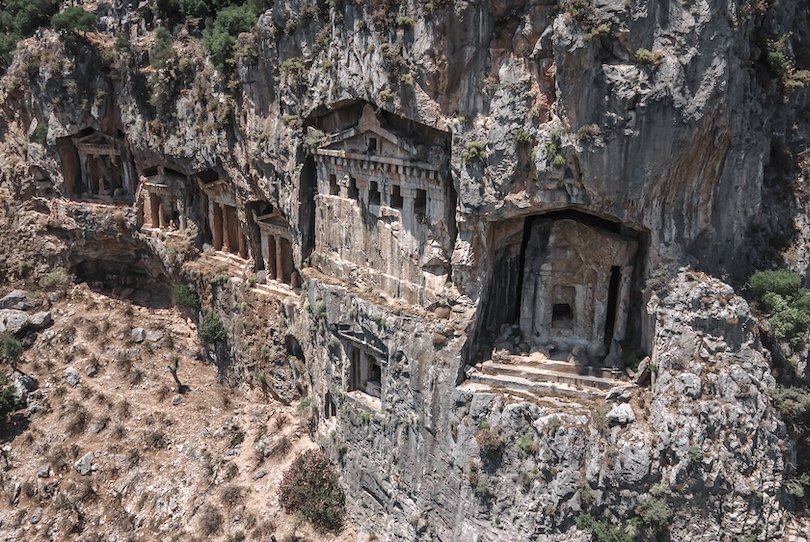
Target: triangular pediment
(359, 142)
(357, 137)
(273, 219)
(96, 138)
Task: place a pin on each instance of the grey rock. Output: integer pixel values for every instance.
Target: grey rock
(138, 334)
(643, 375)
(72, 376)
(619, 393)
(98, 426)
(154, 335)
(24, 386)
(40, 320)
(16, 299)
(91, 370)
(621, 414)
(177, 399)
(259, 475)
(85, 464)
(37, 515)
(690, 384)
(44, 471)
(12, 321)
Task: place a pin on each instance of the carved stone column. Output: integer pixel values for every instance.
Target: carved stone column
(226, 228)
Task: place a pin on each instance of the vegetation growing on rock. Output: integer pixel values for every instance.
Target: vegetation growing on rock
(311, 488)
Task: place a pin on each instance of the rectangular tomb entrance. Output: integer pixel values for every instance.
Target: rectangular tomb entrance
(562, 303)
(162, 199)
(385, 206)
(576, 287)
(223, 219)
(276, 248)
(96, 164)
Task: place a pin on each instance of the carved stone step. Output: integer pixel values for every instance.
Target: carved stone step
(538, 388)
(540, 373)
(548, 364)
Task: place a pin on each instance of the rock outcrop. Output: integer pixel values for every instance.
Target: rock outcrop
(361, 203)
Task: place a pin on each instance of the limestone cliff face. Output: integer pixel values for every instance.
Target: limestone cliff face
(659, 120)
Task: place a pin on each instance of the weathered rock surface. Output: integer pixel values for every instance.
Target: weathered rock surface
(699, 152)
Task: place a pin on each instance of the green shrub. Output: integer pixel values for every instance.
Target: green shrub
(523, 136)
(645, 56)
(8, 399)
(785, 283)
(122, 43)
(310, 488)
(55, 279)
(589, 132)
(526, 444)
(474, 151)
(796, 486)
(782, 294)
(220, 37)
(186, 296)
(40, 134)
(10, 349)
(792, 402)
(211, 329)
(554, 155)
(19, 19)
(603, 531)
(782, 64)
(73, 20)
(162, 51)
(655, 513)
(304, 404)
(404, 21)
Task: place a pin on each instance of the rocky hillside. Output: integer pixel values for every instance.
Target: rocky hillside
(106, 449)
(498, 251)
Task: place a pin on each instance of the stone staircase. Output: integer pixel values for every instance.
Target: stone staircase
(541, 377)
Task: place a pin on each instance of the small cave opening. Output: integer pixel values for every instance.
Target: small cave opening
(564, 283)
(144, 283)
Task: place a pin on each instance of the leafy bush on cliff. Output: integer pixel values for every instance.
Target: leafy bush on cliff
(19, 19)
(186, 296)
(310, 488)
(8, 399)
(162, 50)
(782, 294)
(220, 35)
(72, 20)
(211, 329)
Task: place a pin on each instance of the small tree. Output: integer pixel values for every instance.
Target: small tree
(211, 329)
(181, 388)
(8, 399)
(74, 20)
(310, 487)
(162, 50)
(10, 350)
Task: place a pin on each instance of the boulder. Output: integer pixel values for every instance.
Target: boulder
(85, 464)
(40, 320)
(23, 386)
(138, 334)
(17, 299)
(72, 376)
(44, 471)
(621, 414)
(12, 321)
